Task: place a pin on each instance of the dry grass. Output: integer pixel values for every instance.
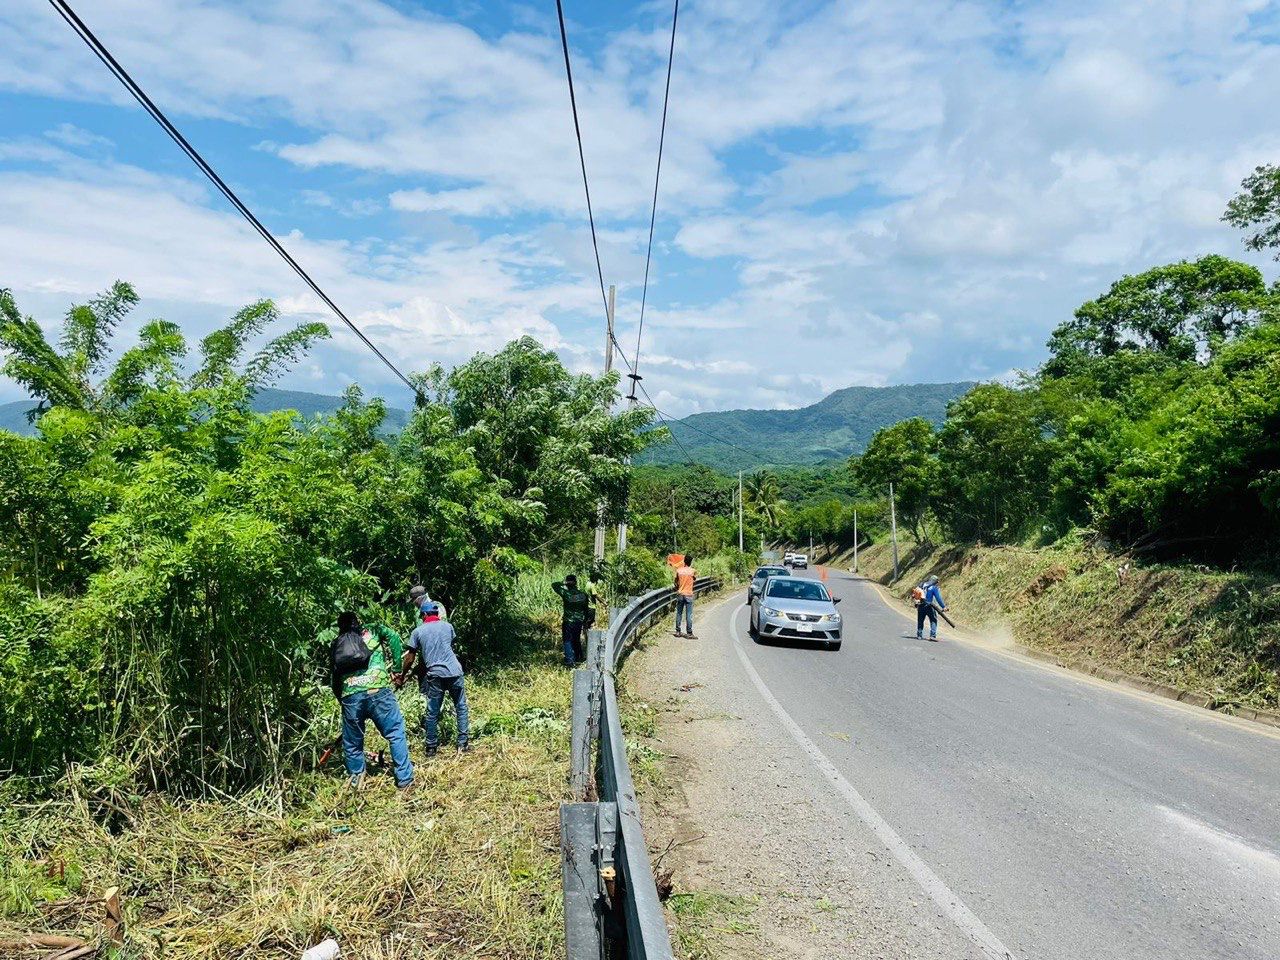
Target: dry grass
(1213, 632)
(469, 867)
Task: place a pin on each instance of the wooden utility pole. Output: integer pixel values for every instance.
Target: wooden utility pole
(893, 526)
(608, 368)
(740, 548)
(675, 547)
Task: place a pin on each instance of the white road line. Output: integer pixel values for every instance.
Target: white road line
(1237, 850)
(928, 881)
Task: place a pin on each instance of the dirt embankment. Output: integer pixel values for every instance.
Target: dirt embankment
(1213, 633)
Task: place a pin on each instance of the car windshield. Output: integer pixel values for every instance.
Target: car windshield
(797, 590)
(771, 572)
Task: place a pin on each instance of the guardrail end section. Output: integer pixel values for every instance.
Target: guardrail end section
(582, 937)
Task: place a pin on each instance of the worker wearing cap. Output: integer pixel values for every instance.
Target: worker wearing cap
(439, 672)
(577, 617)
(418, 596)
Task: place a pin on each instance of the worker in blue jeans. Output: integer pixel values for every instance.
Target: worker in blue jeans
(684, 587)
(367, 694)
(927, 605)
(439, 672)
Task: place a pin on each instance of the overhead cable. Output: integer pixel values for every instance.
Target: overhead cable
(582, 158)
(757, 455)
(653, 211)
(82, 30)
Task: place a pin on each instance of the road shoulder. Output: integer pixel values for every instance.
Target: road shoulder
(765, 861)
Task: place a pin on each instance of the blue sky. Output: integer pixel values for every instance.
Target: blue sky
(853, 192)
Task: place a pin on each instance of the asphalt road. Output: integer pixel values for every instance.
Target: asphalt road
(1044, 814)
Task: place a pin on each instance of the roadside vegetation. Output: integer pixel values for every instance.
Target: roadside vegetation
(176, 553)
(164, 701)
(470, 867)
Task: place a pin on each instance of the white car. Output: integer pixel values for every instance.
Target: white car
(788, 559)
(799, 561)
(796, 608)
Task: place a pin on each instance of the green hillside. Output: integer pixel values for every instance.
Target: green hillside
(831, 429)
(13, 416)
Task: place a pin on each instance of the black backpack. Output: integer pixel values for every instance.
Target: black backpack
(350, 654)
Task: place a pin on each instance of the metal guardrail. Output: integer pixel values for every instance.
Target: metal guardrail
(611, 904)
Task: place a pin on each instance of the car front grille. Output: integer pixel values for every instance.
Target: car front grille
(804, 617)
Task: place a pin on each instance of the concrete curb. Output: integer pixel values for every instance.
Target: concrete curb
(1204, 702)
(1089, 668)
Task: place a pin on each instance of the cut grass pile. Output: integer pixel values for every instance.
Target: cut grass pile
(1213, 632)
(466, 867)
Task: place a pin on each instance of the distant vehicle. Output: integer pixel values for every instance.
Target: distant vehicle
(798, 609)
(788, 559)
(760, 576)
(799, 561)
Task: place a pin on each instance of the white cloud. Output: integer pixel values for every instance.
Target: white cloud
(1018, 158)
(69, 135)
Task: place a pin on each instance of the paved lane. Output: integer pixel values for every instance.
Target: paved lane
(1070, 818)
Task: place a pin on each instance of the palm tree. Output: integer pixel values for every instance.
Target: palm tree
(764, 498)
(74, 373)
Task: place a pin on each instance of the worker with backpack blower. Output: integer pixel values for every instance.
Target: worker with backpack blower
(928, 600)
(362, 661)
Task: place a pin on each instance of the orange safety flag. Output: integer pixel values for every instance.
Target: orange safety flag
(675, 560)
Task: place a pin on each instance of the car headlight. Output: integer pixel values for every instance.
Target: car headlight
(770, 612)
(831, 618)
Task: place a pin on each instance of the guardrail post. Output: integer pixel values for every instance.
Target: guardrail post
(581, 733)
(580, 875)
(595, 648)
(610, 889)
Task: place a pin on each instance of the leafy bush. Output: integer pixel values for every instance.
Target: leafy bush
(179, 552)
(632, 573)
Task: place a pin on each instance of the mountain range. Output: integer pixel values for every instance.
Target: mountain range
(13, 416)
(831, 429)
(838, 425)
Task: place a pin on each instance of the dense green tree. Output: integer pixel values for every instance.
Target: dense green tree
(906, 455)
(762, 495)
(1204, 467)
(1257, 208)
(994, 460)
(1177, 310)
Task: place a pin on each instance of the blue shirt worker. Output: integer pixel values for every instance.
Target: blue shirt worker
(439, 672)
(928, 602)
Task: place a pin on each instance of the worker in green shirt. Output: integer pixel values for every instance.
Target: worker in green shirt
(364, 661)
(577, 616)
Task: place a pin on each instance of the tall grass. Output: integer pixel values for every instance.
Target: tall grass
(468, 868)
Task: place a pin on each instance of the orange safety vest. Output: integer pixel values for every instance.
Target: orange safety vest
(684, 581)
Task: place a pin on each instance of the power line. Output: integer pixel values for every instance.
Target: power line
(688, 458)
(653, 212)
(756, 454)
(582, 158)
(119, 72)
